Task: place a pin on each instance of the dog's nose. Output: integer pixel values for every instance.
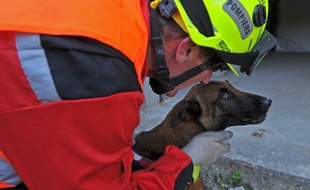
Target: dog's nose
(268, 102)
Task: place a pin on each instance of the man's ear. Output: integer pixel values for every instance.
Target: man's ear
(184, 49)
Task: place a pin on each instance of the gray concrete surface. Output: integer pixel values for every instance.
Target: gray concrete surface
(284, 147)
(292, 26)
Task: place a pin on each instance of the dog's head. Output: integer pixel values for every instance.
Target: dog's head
(207, 107)
(218, 105)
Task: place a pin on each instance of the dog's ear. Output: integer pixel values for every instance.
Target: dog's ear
(189, 110)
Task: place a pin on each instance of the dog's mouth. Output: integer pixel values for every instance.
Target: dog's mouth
(246, 120)
(253, 119)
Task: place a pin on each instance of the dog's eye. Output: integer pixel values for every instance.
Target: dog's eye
(224, 95)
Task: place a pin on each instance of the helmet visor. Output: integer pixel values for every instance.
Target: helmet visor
(249, 61)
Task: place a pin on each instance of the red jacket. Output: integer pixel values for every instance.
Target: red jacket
(67, 117)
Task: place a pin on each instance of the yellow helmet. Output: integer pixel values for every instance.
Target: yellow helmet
(235, 29)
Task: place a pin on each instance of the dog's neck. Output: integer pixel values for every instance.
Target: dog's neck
(152, 144)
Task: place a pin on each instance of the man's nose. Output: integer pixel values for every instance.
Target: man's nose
(207, 77)
(206, 80)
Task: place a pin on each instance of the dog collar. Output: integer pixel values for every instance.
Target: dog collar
(196, 172)
(143, 161)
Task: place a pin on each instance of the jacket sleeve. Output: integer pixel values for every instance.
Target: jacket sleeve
(84, 144)
(171, 171)
(83, 140)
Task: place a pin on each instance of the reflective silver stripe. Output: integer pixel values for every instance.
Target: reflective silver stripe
(34, 63)
(241, 17)
(8, 174)
(137, 156)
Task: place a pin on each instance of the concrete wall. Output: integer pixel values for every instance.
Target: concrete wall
(293, 30)
(151, 98)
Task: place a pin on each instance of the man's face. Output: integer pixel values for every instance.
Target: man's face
(203, 77)
(177, 64)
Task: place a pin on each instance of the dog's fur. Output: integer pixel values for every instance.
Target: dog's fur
(207, 107)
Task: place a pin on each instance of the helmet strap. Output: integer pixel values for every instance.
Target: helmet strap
(165, 84)
(161, 85)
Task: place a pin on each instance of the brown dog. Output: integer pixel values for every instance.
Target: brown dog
(206, 107)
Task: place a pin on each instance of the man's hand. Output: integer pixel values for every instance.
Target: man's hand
(206, 147)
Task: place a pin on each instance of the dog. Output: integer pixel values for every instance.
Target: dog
(207, 107)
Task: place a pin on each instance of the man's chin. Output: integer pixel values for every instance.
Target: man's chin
(171, 93)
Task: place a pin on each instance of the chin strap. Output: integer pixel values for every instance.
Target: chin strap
(163, 83)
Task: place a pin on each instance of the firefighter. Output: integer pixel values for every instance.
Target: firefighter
(71, 75)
